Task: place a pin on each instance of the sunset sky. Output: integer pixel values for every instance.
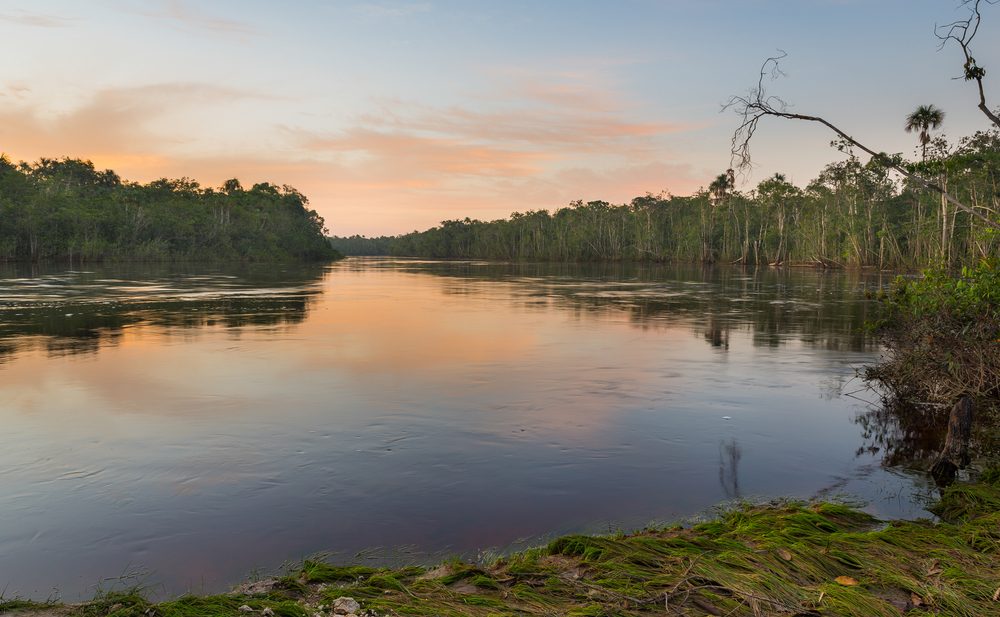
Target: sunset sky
(395, 115)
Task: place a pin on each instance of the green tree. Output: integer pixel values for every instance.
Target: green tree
(923, 120)
(722, 186)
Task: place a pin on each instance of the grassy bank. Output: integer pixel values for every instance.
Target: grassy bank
(791, 559)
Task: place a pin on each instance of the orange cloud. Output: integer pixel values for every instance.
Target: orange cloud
(551, 112)
(115, 123)
(391, 154)
(15, 90)
(537, 128)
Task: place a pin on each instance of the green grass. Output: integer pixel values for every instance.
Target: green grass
(17, 604)
(783, 558)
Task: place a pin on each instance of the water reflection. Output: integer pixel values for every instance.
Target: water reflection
(729, 468)
(913, 435)
(202, 422)
(78, 312)
(821, 308)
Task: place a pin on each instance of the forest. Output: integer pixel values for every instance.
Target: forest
(854, 214)
(66, 209)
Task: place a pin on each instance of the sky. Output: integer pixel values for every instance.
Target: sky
(394, 115)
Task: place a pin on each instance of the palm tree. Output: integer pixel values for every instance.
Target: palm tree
(925, 118)
(723, 184)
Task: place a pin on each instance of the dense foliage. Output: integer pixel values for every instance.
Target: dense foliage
(942, 337)
(853, 214)
(67, 209)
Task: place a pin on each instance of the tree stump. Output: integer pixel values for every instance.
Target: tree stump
(955, 454)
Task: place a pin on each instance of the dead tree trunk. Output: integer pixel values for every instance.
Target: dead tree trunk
(955, 454)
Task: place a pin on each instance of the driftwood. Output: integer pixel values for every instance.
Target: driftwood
(955, 454)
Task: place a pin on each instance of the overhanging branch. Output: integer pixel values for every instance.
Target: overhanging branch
(758, 104)
(962, 32)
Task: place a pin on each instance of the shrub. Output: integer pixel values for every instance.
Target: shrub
(941, 335)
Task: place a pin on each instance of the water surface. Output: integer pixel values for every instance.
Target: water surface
(190, 425)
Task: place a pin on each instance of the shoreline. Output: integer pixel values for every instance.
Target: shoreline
(780, 558)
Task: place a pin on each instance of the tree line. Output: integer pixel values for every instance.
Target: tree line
(67, 209)
(853, 214)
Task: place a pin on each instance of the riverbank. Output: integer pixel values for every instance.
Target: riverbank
(780, 558)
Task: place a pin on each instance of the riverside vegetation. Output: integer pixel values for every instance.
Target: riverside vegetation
(941, 333)
(65, 209)
(941, 339)
(775, 559)
(853, 214)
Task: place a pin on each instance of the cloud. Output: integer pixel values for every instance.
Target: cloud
(538, 128)
(37, 20)
(119, 122)
(554, 112)
(15, 90)
(183, 14)
(391, 11)
(405, 154)
(620, 184)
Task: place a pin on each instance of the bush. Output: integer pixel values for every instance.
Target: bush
(942, 337)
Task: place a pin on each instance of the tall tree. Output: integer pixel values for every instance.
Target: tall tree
(923, 120)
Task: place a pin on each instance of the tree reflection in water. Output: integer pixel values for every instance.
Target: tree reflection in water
(729, 461)
(74, 312)
(912, 435)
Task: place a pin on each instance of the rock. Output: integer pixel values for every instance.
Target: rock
(255, 588)
(345, 606)
(245, 609)
(267, 612)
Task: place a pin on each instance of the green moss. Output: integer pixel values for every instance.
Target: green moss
(475, 600)
(117, 604)
(961, 502)
(320, 572)
(484, 582)
(590, 548)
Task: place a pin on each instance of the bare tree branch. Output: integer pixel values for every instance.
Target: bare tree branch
(758, 104)
(962, 32)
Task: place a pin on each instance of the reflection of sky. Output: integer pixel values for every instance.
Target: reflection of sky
(444, 412)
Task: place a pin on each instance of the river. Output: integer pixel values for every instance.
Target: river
(187, 427)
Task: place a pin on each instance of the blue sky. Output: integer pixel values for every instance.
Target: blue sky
(395, 115)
